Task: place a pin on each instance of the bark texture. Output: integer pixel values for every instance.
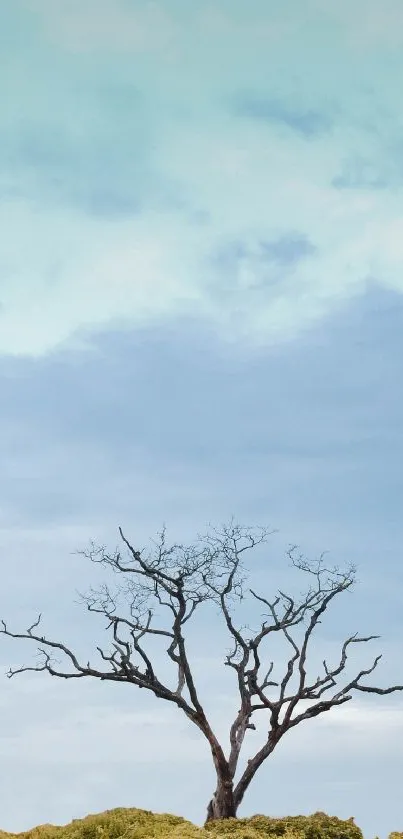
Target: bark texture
(222, 804)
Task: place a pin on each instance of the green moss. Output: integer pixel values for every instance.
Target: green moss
(121, 823)
(317, 826)
(130, 823)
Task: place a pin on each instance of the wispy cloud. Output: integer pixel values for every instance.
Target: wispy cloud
(359, 173)
(308, 123)
(380, 169)
(105, 25)
(288, 250)
(366, 25)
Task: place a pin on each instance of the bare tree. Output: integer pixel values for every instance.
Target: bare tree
(175, 581)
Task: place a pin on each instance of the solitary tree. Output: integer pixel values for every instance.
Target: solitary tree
(174, 582)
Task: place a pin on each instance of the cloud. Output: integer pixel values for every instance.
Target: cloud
(67, 170)
(83, 273)
(78, 737)
(89, 735)
(245, 271)
(288, 250)
(307, 123)
(284, 252)
(359, 173)
(104, 24)
(365, 24)
(83, 147)
(380, 169)
(126, 183)
(166, 461)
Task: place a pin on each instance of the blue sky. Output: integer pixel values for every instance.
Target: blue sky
(200, 315)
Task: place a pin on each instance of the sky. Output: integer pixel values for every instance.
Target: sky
(201, 317)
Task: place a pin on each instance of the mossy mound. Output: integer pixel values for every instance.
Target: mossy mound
(317, 826)
(131, 823)
(121, 823)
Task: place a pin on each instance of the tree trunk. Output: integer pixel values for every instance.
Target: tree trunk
(222, 804)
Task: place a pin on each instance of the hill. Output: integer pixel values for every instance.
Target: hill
(132, 823)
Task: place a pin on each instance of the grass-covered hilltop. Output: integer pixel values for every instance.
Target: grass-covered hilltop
(132, 823)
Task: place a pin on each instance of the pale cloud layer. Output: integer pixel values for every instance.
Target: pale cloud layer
(126, 176)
